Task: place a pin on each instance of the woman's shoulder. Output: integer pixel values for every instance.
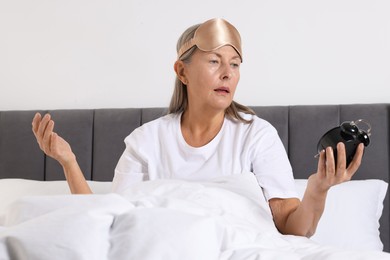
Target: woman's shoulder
(152, 127)
(257, 129)
(161, 121)
(255, 121)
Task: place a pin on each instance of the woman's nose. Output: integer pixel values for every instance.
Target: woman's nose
(226, 72)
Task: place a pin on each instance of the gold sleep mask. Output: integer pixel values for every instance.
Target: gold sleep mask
(213, 34)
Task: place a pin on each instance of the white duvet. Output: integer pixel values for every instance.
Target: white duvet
(227, 218)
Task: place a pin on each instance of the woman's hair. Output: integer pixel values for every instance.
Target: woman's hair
(179, 100)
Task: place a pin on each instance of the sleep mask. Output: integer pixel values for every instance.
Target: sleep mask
(213, 34)
(350, 134)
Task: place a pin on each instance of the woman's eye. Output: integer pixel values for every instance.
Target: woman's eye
(235, 65)
(214, 61)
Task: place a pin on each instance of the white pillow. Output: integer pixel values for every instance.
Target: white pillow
(13, 189)
(351, 216)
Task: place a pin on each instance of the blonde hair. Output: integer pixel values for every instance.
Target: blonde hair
(179, 100)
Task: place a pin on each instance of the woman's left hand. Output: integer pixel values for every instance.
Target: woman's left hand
(330, 173)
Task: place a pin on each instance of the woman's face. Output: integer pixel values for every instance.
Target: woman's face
(212, 78)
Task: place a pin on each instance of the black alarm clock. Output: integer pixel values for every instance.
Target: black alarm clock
(350, 134)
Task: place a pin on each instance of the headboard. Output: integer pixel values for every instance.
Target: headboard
(96, 136)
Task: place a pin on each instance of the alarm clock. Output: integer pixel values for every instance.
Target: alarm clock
(350, 134)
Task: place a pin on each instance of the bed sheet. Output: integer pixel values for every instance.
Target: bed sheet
(227, 218)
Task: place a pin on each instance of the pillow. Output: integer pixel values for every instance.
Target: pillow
(351, 216)
(12, 189)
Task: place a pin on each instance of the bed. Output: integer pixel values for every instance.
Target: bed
(224, 218)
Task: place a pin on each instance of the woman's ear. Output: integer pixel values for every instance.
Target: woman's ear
(180, 71)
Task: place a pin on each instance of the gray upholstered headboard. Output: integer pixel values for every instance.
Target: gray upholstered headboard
(97, 136)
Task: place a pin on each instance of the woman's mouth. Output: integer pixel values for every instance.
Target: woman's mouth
(222, 90)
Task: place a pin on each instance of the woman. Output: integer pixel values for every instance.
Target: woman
(206, 134)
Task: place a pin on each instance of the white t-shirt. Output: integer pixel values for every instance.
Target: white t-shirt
(157, 150)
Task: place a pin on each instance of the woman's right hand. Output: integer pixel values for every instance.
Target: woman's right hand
(50, 142)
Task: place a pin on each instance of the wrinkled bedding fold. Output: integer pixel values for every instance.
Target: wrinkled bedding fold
(226, 218)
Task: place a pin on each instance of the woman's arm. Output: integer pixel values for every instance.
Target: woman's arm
(56, 147)
(301, 218)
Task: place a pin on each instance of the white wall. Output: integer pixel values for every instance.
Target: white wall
(96, 53)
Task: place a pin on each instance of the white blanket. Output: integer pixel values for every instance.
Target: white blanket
(227, 218)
